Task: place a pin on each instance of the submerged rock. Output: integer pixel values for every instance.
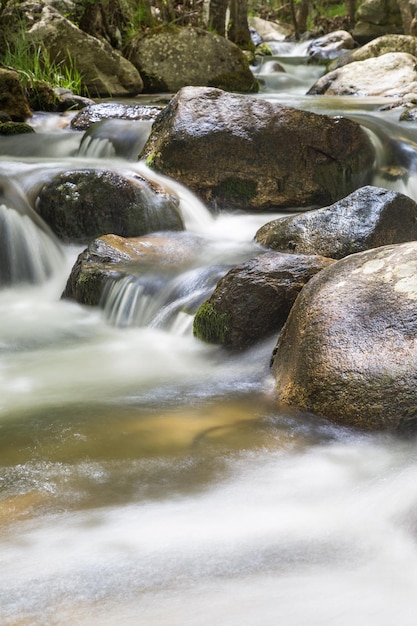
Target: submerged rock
(174, 57)
(236, 151)
(253, 300)
(368, 218)
(80, 205)
(348, 350)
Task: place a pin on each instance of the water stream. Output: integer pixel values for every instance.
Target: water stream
(147, 478)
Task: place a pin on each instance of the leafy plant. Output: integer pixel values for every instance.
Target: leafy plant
(34, 64)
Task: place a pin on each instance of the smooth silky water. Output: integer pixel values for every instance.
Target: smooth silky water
(147, 478)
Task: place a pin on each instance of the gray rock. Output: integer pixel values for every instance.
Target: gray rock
(368, 218)
(392, 75)
(376, 48)
(252, 300)
(348, 350)
(174, 57)
(103, 70)
(375, 18)
(331, 45)
(80, 205)
(244, 152)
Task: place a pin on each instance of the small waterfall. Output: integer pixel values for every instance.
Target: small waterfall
(29, 251)
(115, 137)
(27, 254)
(158, 302)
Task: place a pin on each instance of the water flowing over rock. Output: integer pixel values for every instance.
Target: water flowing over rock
(173, 57)
(252, 300)
(113, 257)
(13, 100)
(392, 75)
(80, 205)
(348, 350)
(104, 71)
(368, 218)
(243, 152)
(113, 110)
(330, 46)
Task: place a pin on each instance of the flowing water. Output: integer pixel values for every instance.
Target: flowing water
(147, 478)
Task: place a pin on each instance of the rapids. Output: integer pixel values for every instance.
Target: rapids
(147, 478)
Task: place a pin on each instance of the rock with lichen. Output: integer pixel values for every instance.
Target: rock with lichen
(348, 350)
(173, 57)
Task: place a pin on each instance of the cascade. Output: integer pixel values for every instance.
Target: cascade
(145, 477)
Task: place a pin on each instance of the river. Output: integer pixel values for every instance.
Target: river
(147, 478)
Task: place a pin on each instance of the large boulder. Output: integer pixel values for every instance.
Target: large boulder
(174, 57)
(348, 350)
(375, 18)
(253, 300)
(80, 205)
(393, 74)
(368, 218)
(243, 152)
(13, 100)
(104, 71)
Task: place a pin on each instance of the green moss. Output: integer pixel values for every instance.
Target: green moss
(90, 285)
(15, 128)
(263, 50)
(237, 190)
(211, 326)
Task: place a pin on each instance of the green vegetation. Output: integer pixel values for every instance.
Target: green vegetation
(34, 64)
(15, 128)
(211, 326)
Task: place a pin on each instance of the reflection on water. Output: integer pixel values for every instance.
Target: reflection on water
(148, 478)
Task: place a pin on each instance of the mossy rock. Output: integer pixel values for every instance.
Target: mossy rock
(15, 128)
(43, 98)
(210, 325)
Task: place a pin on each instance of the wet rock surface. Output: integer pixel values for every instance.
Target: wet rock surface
(80, 205)
(368, 218)
(236, 151)
(252, 300)
(348, 349)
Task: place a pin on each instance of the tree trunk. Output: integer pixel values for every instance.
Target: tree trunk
(406, 15)
(351, 8)
(238, 30)
(303, 8)
(294, 20)
(217, 16)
